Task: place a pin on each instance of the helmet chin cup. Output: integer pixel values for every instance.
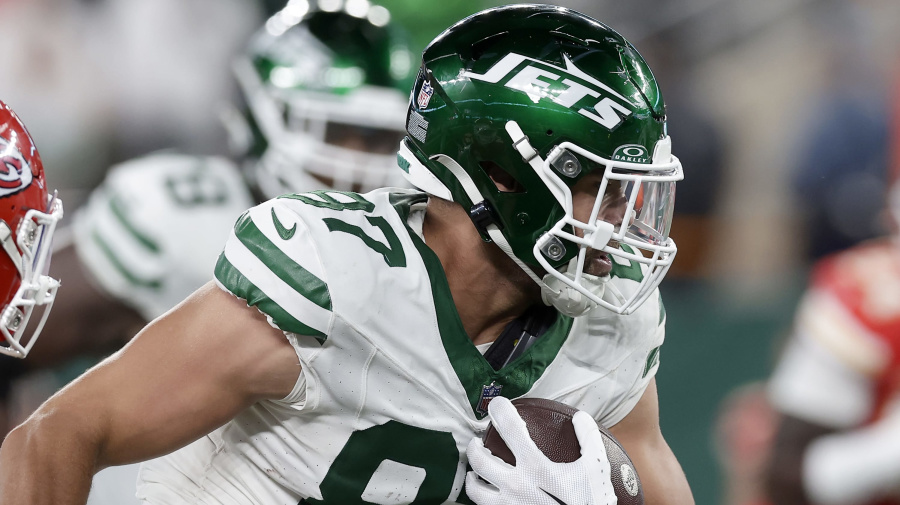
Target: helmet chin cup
(568, 300)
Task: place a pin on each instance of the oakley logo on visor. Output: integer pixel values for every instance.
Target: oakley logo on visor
(568, 87)
(632, 153)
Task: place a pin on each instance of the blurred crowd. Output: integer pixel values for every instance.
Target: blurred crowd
(785, 115)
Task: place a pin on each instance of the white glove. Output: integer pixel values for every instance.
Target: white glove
(535, 480)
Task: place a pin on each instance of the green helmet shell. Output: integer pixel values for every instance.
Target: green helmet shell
(561, 76)
(333, 52)
(326, 94)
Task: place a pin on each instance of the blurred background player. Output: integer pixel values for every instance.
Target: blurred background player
(837, 385)
(323, 109)
(325, 100)
(28, 218)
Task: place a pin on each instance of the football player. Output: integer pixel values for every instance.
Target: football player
(353, 347)
(28, 218)
(836, 385)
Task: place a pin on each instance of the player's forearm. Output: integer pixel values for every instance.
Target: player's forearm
(47, 460)
(661, 475)
(663, 479)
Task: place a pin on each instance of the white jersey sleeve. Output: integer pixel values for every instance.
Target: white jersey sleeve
(150, 234)
(263, 264)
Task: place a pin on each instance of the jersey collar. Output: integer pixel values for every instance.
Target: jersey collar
(474, 372)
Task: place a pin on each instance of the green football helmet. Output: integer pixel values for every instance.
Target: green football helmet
(326, 90)
(547, 96)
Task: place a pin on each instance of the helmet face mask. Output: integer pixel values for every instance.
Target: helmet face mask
(549, 96)
(28, 218)
(324, 97)
(639, 237)
(37, 290)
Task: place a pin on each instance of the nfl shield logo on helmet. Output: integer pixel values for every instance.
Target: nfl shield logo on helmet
(424, 95)
(488, 393)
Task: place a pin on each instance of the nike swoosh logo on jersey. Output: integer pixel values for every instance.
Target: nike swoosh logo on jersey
(557, 500)
(283, 232)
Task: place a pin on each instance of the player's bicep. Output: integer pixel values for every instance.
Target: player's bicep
(186, 373)
(663, 481)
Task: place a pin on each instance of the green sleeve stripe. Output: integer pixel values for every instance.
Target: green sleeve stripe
(294, 275)
(662, 311)
(119, 213)
(120, 267)
(652, 361)
(240, 286)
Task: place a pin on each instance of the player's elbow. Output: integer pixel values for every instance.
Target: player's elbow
(47, 459)
(53, 436)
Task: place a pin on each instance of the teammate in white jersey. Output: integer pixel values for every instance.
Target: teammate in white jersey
(338, 358)
(150, 234)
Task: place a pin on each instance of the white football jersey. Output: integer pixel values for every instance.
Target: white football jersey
(392, 388)
(150, 234)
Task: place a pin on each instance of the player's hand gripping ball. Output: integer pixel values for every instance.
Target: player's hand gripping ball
(540, 451)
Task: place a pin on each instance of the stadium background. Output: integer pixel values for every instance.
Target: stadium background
(780, 111)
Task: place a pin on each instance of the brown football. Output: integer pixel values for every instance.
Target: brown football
(550, 426)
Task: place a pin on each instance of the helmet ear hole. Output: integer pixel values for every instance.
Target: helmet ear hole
(503, 180)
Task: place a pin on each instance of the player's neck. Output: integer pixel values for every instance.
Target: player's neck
(488, 289)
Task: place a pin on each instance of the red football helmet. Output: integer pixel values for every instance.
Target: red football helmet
(28, 217)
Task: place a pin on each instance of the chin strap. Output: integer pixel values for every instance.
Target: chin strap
(530, 155)
(492, 230)
(554, 291)
(501, 242)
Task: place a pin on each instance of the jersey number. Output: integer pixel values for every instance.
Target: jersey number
(391, 463)
(392, 252)
(196, 187)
